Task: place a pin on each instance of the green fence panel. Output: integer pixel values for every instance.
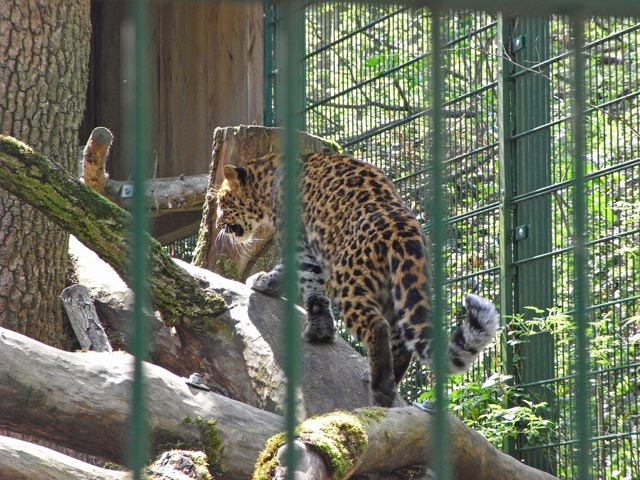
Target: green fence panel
(368, 66)
(527, 131)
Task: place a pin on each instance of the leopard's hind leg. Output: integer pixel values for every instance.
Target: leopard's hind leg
(365, 321)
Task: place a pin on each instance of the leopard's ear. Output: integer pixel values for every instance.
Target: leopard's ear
(236, 177)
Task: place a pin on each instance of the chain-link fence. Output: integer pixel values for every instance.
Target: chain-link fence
(510, 172)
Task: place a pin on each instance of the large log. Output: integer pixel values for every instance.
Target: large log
(102, 226)
(20, 460)
(240, 352)
(378, 440)
(81, 401)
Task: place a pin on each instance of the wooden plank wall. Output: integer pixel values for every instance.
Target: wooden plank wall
(206, 60)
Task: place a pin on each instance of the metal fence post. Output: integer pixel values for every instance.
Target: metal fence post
(580, 283)
(138, 117)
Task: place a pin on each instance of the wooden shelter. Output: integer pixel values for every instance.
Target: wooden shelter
(206, 72)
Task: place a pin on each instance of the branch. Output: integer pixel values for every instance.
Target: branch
(375, 440)
(101, 226)
(164, 195)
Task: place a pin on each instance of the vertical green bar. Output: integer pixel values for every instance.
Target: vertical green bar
(505, 126)
(290, 101)
(439, 448)
(137, 112)
(268, 64)
(582, 410)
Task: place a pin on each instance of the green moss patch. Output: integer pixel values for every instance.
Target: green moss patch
(339, 437)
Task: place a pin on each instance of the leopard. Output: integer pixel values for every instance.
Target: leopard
(360, 245)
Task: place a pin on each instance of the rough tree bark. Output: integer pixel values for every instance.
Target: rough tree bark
(44, 48)
(236, 146)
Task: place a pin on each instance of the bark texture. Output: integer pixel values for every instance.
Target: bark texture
(44, 48)
(377, 440)
(80, 401)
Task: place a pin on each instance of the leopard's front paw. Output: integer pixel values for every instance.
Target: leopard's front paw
(263, 282)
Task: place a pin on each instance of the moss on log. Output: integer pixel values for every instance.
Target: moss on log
(102, 226)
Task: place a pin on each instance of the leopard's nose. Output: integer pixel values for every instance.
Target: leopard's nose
(234, 229)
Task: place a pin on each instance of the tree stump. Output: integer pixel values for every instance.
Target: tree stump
(236, 146)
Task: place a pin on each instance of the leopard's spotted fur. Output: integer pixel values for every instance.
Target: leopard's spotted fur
(360, 237)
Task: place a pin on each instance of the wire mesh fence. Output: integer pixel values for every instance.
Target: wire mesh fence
(509, 173)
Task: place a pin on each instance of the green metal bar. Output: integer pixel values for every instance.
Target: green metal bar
(268, 70)
(356, 31)
(505, 152)
(539, 7)
(290, 102)
(582, 411)
(138, 107)
(441, 447)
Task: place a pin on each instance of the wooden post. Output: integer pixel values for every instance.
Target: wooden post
(94, 159)
(236, 146)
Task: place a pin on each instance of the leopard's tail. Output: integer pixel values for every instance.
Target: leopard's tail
(473, 335)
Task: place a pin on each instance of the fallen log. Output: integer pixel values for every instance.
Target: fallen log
(375, 440)
(240, 352)
(81, 401)
(20, 460)
(102, 226)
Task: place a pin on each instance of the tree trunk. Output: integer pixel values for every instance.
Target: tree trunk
(44, 48)
(236, 146)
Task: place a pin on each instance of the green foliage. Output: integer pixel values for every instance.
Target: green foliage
(499, 410)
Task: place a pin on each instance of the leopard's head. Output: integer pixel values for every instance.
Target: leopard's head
(239, 212)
